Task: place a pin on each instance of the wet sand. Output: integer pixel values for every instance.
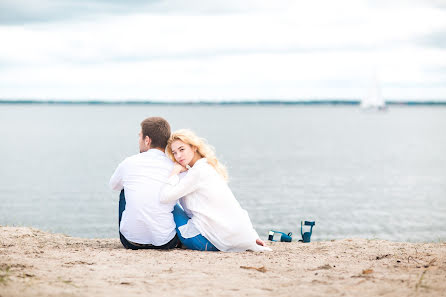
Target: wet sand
(36, 263)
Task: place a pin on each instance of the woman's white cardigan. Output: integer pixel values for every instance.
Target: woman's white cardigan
(213, 209)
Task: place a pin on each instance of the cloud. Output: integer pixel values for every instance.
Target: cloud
(438, 3)
(14, 12)
(435, 39)
(220, 50)
(140, 38)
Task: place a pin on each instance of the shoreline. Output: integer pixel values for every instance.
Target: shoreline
(262, 102)
(37, 263)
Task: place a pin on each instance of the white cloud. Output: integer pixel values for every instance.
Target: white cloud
(287, 51)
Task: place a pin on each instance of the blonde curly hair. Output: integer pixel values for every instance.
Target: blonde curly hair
(203, 149)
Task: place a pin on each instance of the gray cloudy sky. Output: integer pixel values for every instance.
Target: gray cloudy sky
(221, 50)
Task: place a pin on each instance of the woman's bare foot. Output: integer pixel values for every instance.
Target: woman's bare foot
(260, 242)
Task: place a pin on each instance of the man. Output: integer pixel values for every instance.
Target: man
(144, 222)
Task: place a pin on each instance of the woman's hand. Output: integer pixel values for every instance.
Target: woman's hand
(260, 242)
(177, 169)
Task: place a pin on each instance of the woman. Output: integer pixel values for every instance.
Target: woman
(217, 222)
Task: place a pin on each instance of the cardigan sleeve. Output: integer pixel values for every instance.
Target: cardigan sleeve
(176, 188)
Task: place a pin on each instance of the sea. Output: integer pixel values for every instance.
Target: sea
(375, 175)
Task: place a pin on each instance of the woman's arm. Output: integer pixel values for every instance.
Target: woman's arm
(177, 169)
(176, 188)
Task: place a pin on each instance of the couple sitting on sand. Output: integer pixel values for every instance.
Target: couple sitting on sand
(151, 184)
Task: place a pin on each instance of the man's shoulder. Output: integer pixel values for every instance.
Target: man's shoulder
(139, 159)
(130, 159)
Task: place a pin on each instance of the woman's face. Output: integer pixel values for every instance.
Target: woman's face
(184, 153)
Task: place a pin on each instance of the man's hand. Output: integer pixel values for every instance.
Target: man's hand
(177, 169)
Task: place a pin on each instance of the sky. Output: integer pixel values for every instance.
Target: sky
(208, 50)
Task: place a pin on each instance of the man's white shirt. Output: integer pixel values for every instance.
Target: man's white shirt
(145, 220)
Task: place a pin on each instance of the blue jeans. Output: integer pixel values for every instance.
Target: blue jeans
(199, 242)
(128, 245)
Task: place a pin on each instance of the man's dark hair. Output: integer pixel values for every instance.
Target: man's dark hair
(158, 130)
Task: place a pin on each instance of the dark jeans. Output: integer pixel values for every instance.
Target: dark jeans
(128, 245)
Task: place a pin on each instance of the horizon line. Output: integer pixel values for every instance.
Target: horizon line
(222, 102)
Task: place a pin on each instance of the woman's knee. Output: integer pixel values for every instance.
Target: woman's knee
(179, 216)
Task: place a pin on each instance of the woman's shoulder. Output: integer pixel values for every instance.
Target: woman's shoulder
(206, 170)
(198, 170)
(201, 164)
(203, 167)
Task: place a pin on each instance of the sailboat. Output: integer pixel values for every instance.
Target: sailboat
(373, 100)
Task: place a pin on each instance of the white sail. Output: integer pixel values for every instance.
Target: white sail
(373, 99)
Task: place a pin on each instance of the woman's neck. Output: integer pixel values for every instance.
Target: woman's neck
(195, 159)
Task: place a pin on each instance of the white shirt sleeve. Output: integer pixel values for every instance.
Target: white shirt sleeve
(176, 188)
(116, 182)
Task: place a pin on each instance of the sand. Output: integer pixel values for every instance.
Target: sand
(36, 263)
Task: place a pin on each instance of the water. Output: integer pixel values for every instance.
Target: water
(372, 175)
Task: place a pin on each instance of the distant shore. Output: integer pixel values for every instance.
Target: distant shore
(36, 263)
(229, 102)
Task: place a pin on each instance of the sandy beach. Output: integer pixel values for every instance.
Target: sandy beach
(36, 263)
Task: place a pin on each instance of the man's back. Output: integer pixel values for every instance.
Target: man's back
(145, 220)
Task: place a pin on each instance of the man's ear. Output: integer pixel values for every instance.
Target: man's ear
(147, 141)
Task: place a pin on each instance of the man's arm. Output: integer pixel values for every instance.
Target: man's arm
(116, 182)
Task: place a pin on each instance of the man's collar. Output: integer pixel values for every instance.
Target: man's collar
(155, 151)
